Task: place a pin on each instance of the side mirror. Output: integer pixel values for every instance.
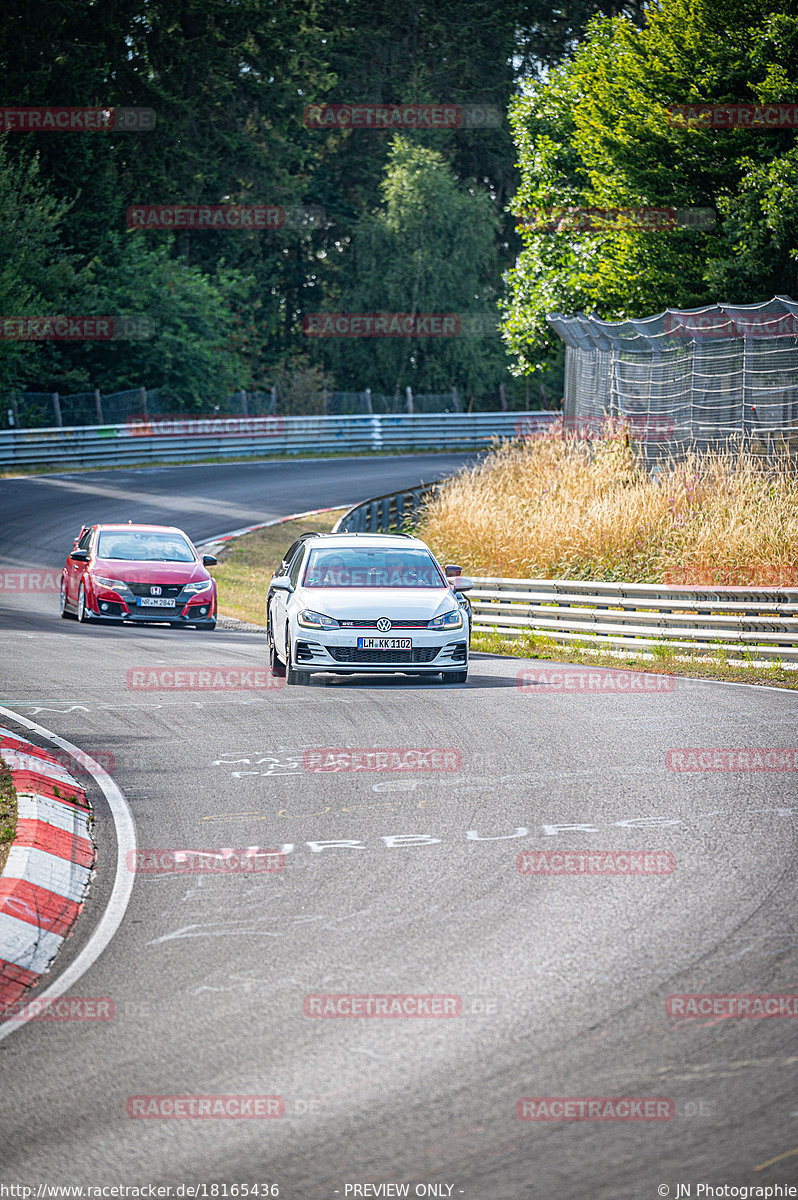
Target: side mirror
(209, 560)
(451, 571)
(281, 583)
(80, 555)
(462, 583)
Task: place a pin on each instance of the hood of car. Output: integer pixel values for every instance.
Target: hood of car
(398, 604)
(149, 572)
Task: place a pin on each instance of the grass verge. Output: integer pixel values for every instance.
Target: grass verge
(8, 812)
(714, 665)
(246, 564)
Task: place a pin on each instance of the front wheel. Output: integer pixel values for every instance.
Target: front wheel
(275, 666)
(292, 675)
(62, 608)
(84, 612)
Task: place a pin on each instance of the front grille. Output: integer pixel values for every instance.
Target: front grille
(347, 654)
(167, 589)
(373, 624)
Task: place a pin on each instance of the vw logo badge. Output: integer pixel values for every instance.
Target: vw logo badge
(155, 591)
(383, 624)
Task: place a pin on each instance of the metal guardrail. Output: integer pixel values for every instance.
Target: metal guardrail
(748, 623)
(383, 513)
(170, 440)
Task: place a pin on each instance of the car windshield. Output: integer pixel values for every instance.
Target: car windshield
(371, 567)
(127, 545)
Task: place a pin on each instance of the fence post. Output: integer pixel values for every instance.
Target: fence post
(143, 394)
(502, 397)
(273, 405)
(57, 409)
(456, 400)
(409, 392)
(244, 404)
(324, 402)
(99, 403)
(369, 406)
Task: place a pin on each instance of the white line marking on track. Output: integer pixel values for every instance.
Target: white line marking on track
(123, 881)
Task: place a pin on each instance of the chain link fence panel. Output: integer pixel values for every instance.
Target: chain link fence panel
(684, 379)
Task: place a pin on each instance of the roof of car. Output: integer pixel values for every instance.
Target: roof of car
(369, 539)
(135, 527)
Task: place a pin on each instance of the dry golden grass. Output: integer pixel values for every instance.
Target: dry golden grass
(555, 507)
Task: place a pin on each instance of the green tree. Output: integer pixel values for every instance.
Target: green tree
(37, 275)
(191, 348)
(429, 249)
(598, 134)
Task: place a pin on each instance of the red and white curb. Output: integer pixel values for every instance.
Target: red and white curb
(44, 883)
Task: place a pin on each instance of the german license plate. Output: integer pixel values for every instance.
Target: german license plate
(155, 602)
(372, 643)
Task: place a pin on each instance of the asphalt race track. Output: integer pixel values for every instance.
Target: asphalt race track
(397, 882)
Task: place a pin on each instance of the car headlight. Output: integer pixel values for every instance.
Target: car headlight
(447, 620)
(198, 587)
(313, 620)
(117, 585)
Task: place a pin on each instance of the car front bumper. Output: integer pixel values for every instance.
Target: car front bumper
(113, 608)
(429, 655)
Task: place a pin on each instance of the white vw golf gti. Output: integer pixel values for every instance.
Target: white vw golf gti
(370, 603)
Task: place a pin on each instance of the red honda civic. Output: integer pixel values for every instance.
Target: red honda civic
(138, 573)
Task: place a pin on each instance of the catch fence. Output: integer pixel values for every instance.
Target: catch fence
(687, 378)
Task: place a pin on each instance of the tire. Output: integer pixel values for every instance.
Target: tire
(84, 613)
(276, 668)
(292, 675)
(211, 625)
(66, 616)
(455, 676)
